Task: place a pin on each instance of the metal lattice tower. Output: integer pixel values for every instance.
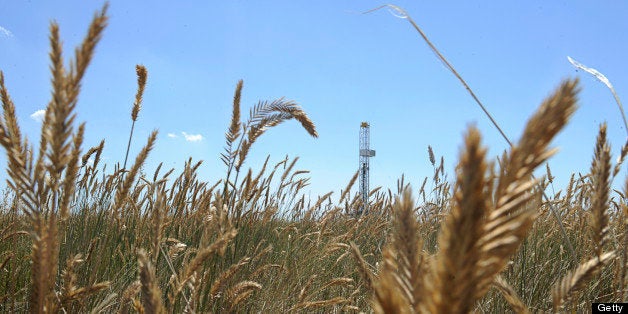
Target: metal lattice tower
(365, 153)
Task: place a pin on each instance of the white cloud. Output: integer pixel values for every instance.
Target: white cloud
(38, 115)
(5, 32)
(192, 137)
(172, 135)
(90, 161)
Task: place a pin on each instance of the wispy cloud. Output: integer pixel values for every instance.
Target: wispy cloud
(192, 137)
(172, 135)
(5, 32)
(90, 161)
(38, 115)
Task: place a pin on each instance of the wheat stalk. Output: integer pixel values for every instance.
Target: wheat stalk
(600, 176)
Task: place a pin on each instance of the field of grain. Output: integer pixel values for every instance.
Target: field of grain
(80, 237)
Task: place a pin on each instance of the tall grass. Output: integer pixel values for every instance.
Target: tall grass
(77, 237)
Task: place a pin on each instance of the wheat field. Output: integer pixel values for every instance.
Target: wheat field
(79, 237)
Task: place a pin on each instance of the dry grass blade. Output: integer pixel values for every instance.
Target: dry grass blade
(455, 283)
(602, 78)
(600, 176)
(575, 280)
(510, 295)
(401, 13)
(151, 294)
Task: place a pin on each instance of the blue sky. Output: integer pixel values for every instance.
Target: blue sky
(341, 66)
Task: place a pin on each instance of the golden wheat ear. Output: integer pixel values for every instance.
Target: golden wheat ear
(512, 215)
(128, 294)
(234, 128)
(142, 76)
(510, 295)
(454, 285)
(402, 269)
(70, 292)
(362, 267)
(564, 290)
(392, 293)
(151, 294)
(479, 236)
(407, 245)
(600, 177)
